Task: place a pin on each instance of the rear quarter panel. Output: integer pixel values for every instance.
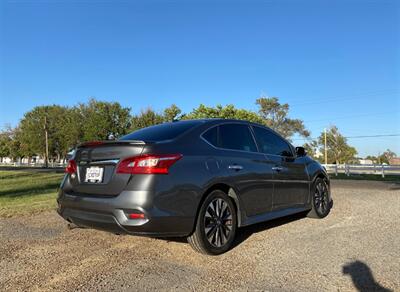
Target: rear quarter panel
(180, 192)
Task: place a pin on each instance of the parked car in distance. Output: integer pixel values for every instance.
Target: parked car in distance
(200, 179)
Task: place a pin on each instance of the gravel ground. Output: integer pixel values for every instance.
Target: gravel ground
(356, 247)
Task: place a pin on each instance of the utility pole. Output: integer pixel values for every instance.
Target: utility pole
(325, 148)
(46, 161)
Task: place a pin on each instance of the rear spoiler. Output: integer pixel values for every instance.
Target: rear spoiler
(111, 142)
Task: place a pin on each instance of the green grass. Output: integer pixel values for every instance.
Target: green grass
(26, 192)
(376, 177)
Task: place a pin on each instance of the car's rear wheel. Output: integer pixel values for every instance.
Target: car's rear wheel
(321, 205)
(215, 225)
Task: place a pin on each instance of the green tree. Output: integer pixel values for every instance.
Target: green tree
(146, 118)
(270, 113)
(10, 144)
(96, 120)
(172, 113)
(19, 147)
(386, 156)
(374, 159)
(311, 148)
(32, 128)
(100, 119)
(70, 130)
(338, 150)
(225, 112)
(63, 127)
(5, 141)
(275, 116)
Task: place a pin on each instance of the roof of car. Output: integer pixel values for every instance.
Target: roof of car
(214, 119)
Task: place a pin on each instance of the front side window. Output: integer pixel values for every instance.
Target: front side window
(236, 137)
(270, 143)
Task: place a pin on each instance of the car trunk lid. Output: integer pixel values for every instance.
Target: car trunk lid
(100, 160)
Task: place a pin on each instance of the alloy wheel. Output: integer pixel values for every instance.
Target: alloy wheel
(218, 222)
(321, 197)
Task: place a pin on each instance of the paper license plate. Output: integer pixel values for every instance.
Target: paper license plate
(94, 174)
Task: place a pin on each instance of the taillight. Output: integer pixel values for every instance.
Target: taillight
(71, 167)
(148, 164)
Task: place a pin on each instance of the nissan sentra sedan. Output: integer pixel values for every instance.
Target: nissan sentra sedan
(200, 179)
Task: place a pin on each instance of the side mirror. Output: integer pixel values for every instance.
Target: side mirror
(300, 151)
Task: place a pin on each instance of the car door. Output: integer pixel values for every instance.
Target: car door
(246, 169)
(290, 177)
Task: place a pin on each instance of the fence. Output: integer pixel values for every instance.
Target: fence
(335, 169)
(377, 169)
(34, 164)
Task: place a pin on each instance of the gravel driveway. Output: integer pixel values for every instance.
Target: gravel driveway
(357, 247)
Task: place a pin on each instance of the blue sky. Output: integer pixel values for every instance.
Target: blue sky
(334, 62)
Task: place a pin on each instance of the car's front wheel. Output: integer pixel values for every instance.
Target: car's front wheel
(215, 226)
(321, 204)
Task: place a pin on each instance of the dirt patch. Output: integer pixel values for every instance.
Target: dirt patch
(355, 246)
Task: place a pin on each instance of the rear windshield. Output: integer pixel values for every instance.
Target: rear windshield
(166, 131)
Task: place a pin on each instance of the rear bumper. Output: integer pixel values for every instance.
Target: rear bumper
(111, 214)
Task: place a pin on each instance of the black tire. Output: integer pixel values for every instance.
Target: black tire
(214, 233)
(320, 200)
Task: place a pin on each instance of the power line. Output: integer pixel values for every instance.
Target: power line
(373, 136)
(356, 137)
(352, 116)
(343, 98)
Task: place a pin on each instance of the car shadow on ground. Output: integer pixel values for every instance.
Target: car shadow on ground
(362, 277)
(245, 232)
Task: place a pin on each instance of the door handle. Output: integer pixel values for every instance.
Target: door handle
(235, 167)
(277, 168)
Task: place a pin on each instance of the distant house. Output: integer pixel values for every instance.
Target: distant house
(365, 161)
(6, 160)
(394, 161)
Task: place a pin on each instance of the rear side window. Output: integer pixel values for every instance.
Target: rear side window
(212, 136)
(270, 143)
(236, 137)
(166, 131)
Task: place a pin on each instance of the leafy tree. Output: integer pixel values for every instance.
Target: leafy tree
(311, 148)
(19, 147)
(275, 116)
(146, 118)
(389, 154)
(100, 119)
(96, 120)
(270, 113)
(338, 151)
(10, 145)
(67, 127)
(70, 130)
(4, 145)
(374, 159)
(386, 156)
(149, 117)
(171, 113)
(63, 126)
(31, 132)
(225, 112)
